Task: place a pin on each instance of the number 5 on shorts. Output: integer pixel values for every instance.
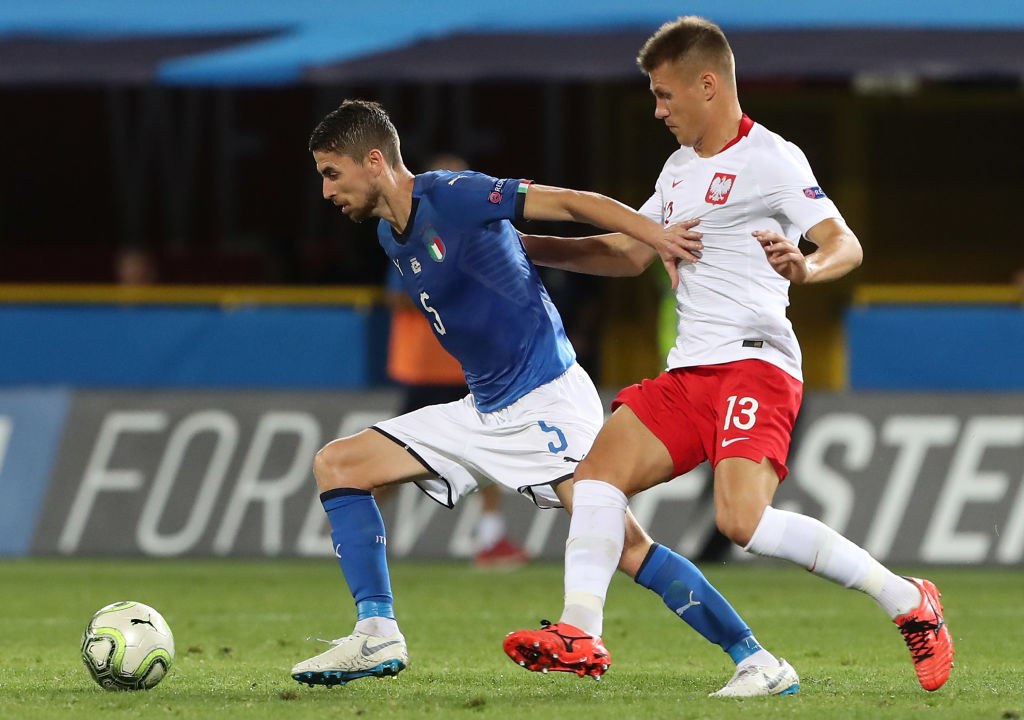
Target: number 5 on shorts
(562, 444)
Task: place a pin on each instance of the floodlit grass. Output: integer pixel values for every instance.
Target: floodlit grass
(239, 626)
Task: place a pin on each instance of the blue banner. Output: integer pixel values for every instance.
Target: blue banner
(936, 348)
(192, 347)
(31, 424)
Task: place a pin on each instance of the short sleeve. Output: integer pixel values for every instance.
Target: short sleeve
(478, 197)
(654, 208)
(790, 189)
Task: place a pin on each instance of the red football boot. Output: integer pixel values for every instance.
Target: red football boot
(931, 645)
(504, 554)
(560, 647)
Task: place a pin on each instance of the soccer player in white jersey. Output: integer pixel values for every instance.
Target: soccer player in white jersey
(733, 385)
(532, 412)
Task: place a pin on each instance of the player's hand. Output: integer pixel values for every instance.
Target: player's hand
(679, 242)
(784, 257)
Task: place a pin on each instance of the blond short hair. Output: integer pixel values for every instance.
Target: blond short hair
(691, 40)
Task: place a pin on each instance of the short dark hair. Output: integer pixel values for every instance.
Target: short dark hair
(687, 38)
(355, 128)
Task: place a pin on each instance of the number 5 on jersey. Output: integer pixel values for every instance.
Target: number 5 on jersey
(438, 325)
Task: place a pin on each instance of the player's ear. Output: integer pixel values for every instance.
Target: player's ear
(709, 84)
(375, 161)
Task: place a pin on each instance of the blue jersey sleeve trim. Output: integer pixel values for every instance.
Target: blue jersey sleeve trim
(478, 198)
(521, 199)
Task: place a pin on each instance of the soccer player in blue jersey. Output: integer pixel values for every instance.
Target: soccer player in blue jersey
(532, 412)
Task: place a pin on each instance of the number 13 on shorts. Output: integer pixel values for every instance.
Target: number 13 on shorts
(741, 412)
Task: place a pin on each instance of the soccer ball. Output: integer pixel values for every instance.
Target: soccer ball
(127, 646)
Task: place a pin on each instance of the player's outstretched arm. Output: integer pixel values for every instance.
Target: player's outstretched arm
(677, 242)
(612, 255)
(838, 253)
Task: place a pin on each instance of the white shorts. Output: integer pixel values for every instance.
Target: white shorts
(529, 446)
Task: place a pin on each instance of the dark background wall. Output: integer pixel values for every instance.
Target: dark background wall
(219, 185)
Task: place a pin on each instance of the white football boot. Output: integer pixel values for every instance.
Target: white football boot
(354, 656)
(755, 680)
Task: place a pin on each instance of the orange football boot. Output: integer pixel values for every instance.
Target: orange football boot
(927, 636)
(559, 647)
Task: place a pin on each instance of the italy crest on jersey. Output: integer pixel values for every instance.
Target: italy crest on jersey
(719, 189)
(435, 246)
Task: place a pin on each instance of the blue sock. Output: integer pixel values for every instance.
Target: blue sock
(360, 544)
(689, 595)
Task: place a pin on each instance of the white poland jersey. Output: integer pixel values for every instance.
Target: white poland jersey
(731, 305)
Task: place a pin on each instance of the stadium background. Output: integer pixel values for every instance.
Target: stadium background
(180, 417)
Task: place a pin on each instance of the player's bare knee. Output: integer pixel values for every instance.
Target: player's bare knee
(736, 527)
(333, 466)
(323, 468)
(584, 471)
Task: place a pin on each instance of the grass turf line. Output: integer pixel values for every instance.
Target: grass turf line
(240, 625)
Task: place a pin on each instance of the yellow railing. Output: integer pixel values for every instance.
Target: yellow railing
(365, 295)
(223, 295)
(938, 294)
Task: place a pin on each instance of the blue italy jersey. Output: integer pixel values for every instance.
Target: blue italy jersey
(464, 266)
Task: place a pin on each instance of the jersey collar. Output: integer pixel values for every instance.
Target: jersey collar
(745, 124)
(403, 237)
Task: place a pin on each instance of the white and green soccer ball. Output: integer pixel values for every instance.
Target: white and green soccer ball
(127, 646)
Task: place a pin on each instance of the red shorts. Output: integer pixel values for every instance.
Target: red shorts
(740, 409)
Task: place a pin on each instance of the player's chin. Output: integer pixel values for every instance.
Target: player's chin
(682, 137)
(356, 215)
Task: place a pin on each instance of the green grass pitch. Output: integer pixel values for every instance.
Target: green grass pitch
(240, 625)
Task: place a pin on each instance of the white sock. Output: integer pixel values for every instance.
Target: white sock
(898, 596)
(823, 551)
(378, 626)
(490, 528)
(762, 658)
(597, 532)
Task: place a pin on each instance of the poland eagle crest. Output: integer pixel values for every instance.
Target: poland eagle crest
(718, 191)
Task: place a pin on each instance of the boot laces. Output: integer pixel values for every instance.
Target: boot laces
(918, 634)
